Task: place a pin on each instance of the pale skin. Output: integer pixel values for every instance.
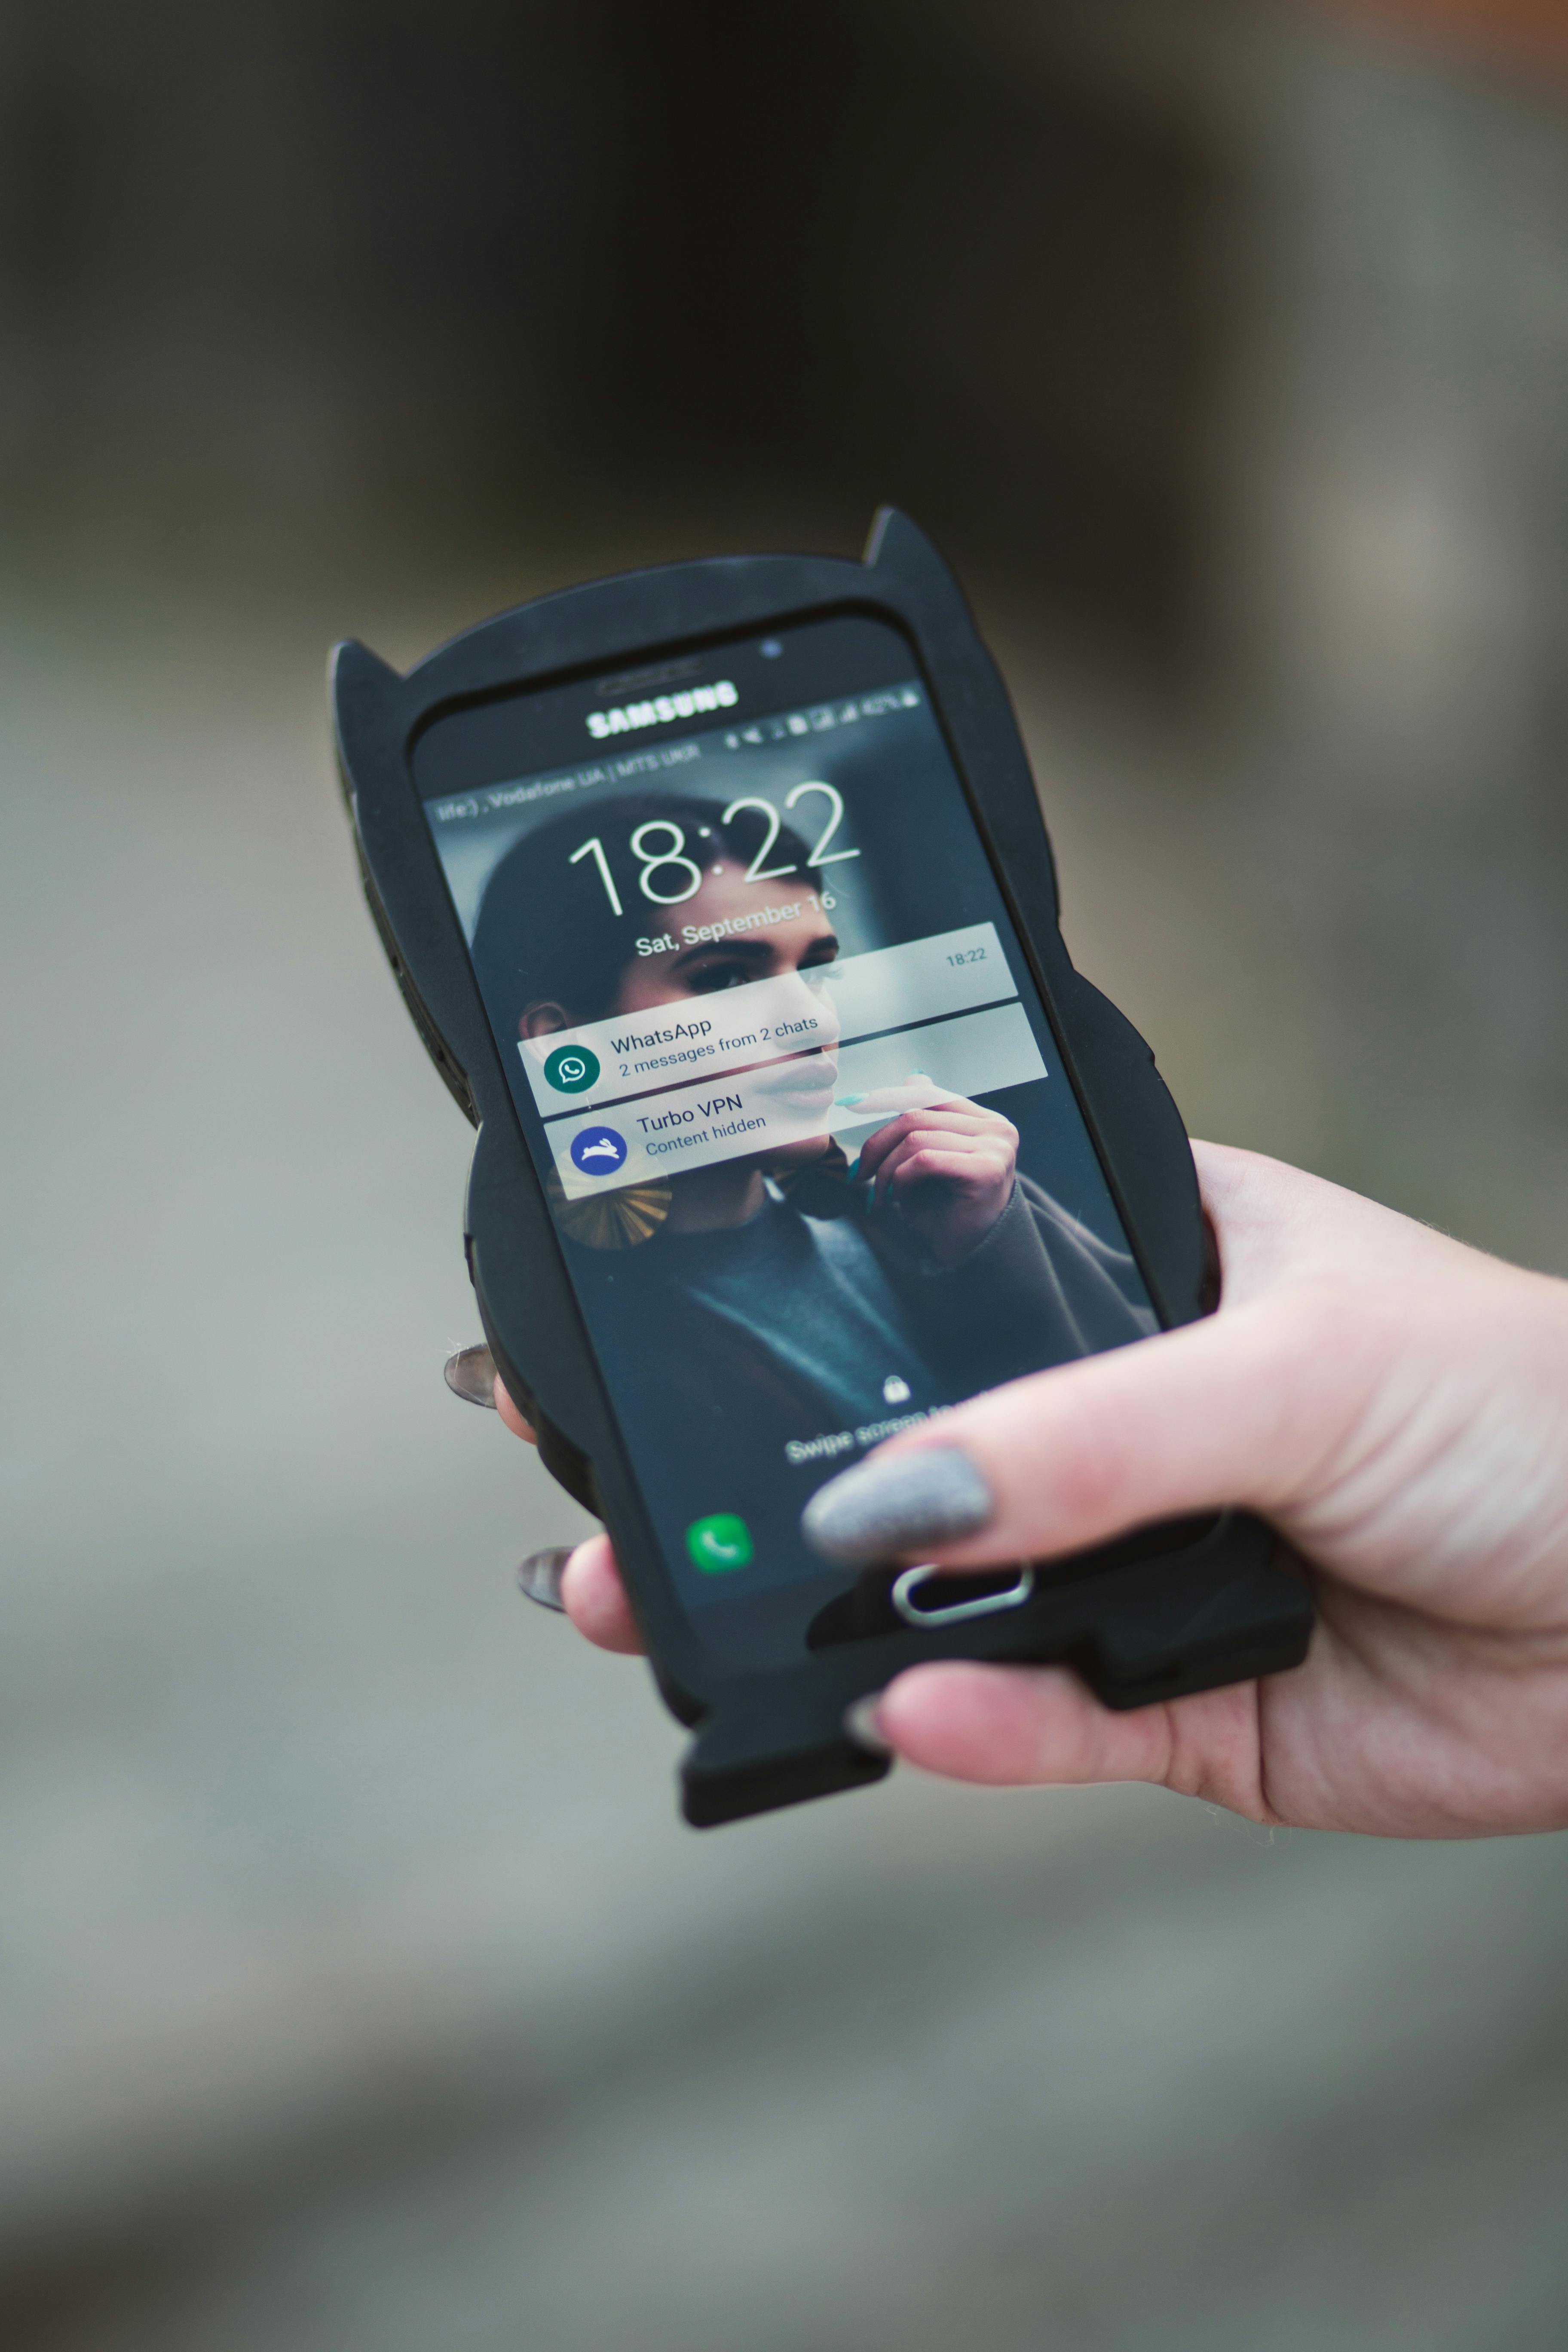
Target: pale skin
(1397, 1405)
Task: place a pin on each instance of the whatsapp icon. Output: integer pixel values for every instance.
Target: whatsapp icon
(572, 1068)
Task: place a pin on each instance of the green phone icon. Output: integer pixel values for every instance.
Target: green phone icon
(570, 1068)
(718, 1543)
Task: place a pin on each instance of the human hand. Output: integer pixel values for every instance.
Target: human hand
(1397, 1405)
(945, 1166)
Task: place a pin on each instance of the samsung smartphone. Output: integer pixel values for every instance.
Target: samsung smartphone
(721, 896)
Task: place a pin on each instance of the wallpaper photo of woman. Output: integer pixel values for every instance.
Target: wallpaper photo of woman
(791, 1291)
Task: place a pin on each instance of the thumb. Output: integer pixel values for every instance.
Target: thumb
(1250, 1407)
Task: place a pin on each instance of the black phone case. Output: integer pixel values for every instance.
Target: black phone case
(1169, 1611)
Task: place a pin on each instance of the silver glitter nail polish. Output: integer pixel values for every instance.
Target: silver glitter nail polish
(471, 1375)
(860, 1723)
(881, 1510)
(538, 1577)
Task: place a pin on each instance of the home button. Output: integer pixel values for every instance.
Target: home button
(922, 1602)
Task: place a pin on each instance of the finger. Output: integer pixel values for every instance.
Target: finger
(510, 1415)
(1274, 1223)
(922, 1163)
(875, 1147)
(964, 1119)
(1250, 1407)
(1031, 1725)
(1239, 1410)
(595, 1598)
(889, 1159)
(977, 1163)
(954, 1136)
(983, 1149)
(913, 1094)
(1013, 1725)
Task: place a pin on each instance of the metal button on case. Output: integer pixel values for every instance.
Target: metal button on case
(984, 1604)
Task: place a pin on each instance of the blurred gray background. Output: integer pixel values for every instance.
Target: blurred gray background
(358, 1989)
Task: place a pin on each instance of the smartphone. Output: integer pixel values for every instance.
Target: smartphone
(721, 896)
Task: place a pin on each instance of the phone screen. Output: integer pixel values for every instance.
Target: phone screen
(783, 1071)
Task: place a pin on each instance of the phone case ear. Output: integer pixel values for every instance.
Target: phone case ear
(898, 553)
(894, 543)
(363, 688)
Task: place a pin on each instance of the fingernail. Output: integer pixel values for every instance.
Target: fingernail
(881, 1509)
(471, 1375)
(538, 1577)
(860, 1723)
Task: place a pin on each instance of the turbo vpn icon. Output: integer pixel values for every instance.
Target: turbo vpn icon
(599, 1151)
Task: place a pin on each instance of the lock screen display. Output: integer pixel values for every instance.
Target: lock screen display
(784, 1074)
